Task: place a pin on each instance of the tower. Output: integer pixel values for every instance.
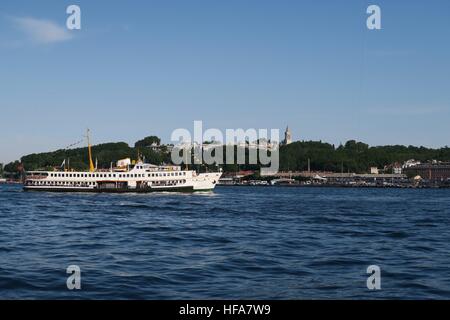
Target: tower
(287, 136)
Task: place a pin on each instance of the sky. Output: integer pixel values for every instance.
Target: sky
(140, 68)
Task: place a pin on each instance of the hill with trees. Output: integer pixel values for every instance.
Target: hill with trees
(353, 156)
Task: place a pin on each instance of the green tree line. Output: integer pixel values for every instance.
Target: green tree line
(352, 156)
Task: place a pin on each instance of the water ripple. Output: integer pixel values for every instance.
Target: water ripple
(235, 243)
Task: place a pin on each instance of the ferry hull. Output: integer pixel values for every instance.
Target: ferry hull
(188, 189)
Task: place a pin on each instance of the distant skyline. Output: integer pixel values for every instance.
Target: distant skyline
(140, 68)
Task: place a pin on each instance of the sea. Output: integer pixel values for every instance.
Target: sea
(233, 243)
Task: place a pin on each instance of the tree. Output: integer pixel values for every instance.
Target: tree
(147, 142)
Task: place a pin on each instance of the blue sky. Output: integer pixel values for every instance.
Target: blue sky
(138, 68)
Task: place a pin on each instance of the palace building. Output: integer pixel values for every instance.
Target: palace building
(287, 136)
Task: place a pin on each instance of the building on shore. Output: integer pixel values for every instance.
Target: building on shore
(434, 171)
(287, 136)
(374, 170)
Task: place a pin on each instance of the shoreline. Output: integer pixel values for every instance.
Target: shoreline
(306, 186)
(336, 186)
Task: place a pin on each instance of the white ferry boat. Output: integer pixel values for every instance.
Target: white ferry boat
(140, 177)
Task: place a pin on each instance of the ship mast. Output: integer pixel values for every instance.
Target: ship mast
(91, 163)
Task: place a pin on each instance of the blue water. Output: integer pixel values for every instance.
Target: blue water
(238, 242)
